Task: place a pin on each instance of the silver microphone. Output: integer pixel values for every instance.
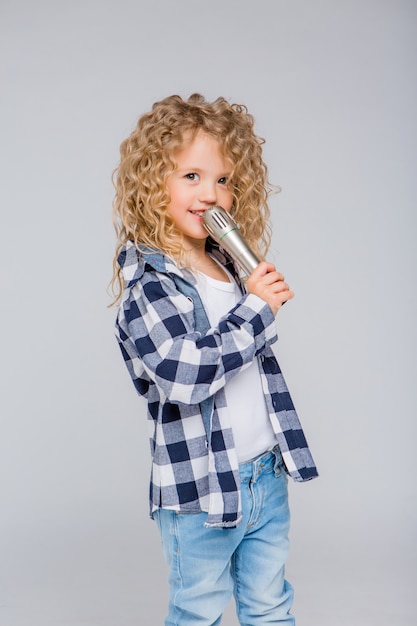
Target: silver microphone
(222, 227)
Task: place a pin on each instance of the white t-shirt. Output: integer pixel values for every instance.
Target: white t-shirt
(252, 430)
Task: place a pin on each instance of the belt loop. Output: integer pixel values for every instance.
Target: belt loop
(278, 460)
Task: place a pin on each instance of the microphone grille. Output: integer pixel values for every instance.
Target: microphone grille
(218, 222)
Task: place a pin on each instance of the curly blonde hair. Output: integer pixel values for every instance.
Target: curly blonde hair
(147, 159)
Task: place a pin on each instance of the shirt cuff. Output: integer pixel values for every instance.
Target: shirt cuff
(259, 315)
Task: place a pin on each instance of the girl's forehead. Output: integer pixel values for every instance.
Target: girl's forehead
(200, 141)
(202, 148)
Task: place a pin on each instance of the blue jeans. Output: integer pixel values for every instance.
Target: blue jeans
(208, 565)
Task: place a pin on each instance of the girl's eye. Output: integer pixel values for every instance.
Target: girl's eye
(191, 176)
(223, 180)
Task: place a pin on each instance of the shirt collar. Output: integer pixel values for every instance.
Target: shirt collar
(133, 259)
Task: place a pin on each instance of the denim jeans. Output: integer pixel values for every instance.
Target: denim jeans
(208, 565)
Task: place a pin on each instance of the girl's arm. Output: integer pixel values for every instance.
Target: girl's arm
(155, 330)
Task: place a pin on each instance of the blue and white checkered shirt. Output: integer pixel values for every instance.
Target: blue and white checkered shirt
(182, 370)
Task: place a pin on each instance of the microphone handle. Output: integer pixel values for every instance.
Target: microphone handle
(239, 250)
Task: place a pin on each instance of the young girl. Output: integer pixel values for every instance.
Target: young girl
(197, 343)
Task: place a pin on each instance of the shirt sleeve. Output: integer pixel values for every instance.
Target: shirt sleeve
(156, 327)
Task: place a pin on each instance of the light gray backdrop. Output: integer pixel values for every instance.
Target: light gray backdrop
(332, 86)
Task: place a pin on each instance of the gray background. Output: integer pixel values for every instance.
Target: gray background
(332, 86)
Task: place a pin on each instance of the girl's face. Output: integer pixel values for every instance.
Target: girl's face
(198, 183)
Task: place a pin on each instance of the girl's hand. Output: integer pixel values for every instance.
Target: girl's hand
(268, 284)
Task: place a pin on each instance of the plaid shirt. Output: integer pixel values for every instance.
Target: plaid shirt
(181, 367)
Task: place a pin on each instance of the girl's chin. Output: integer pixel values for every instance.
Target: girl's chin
(195, 240)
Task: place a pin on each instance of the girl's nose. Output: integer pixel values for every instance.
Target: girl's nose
(207, 193)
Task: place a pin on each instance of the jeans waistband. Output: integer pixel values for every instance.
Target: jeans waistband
(264, 463)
